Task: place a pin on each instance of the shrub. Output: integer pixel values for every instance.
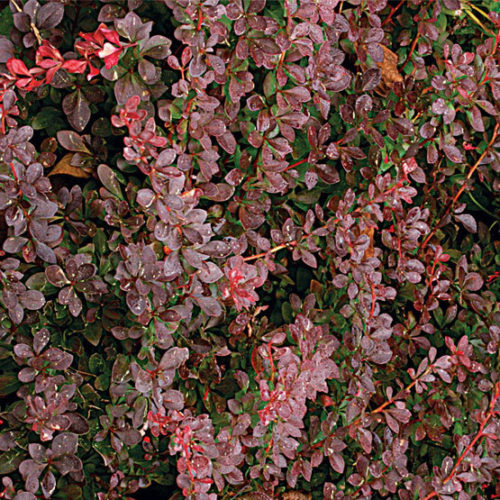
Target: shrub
(249, 248)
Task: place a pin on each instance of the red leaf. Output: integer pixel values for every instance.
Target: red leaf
(17, 67)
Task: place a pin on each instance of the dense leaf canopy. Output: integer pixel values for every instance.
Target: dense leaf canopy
(249, 248)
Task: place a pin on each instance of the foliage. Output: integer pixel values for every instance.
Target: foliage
(249, 247)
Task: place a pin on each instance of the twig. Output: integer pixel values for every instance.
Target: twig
(478, 22)
(462, 189)
(393, 399)
(479, 10)
(412, 49)
(484, 209)
(480, 434)
(283, 245)
(263, 254)
(33, 27)
(371, 481)
(393, 10)
(296, 164)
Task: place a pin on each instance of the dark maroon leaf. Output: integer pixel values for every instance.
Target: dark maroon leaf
(473, 282)
(468, 221)
(453, 153)
(72, 141)
(371, 78)
(49, 15)
(32, 300)
(174, 358)
(65, 444)
(59, 360)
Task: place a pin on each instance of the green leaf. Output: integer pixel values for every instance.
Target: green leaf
(47, 118)
(9, 383)
(96, 363)
(102, 383)
(6, 21)
(109, 180)
(73, 491)
(458, 429)
(269, 84)
(287, 312)
(11, 460)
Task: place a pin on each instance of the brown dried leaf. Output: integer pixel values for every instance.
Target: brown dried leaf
(256, 496)
(370, 250)
(390, 72)
(389, 67)
(296, 495)
(64, 167)
(316, 287)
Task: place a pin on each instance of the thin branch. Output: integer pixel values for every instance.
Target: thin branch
(480, 434)
(393, 399)
(263, 254)
(33, 27)
(393, 10)
(412, 49)
(462, 189)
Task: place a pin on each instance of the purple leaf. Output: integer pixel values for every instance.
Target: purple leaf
(71, 141)
(68, 463)
(49, 15)
(227, 142)
(65, 444)
(137, 303)
(473, 282)
(41, 339)
(209, 305)
(173, 400)
(337, 462)
(14, 244)
(59, 360)
(109, 180)
(143, 382)
(55, 275)
(174, 358)
(468, 221)
(32, 299)
(371, 78)
(210, 273)
(453, 153)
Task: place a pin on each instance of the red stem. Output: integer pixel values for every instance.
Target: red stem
(497, 39)
(485, 78)
(478, 436)
(372, 311)
(200, 20)
(190, 102)
(393, 10)
(462, 189)
(390, 401)
(3, 119)
(271, 361)
(371, 481)
(296, 164)
(13, 171)
(412, 49)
